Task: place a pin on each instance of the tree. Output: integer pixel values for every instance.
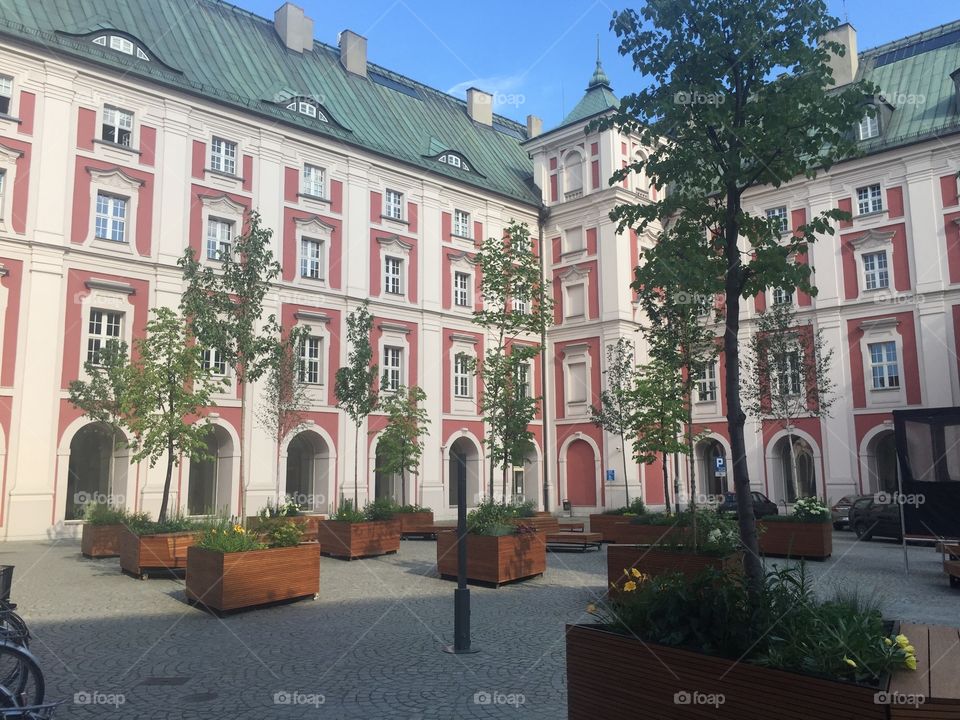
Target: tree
(617, 411)
(515, 309)
(788, 368)
(740, 98)
(401, 443)
(152, 394)
(224, 304)
(355, 383)
(286, 398)
(659, 418)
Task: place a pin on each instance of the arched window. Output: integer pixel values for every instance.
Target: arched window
(869, 126)
(454, 160)
(797, 469)
(121, 44)
(97, 464)
(572, 175)
(308, 107)
(209, 488)
(307, 457)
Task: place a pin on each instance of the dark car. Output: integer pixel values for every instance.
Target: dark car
(875, 515)
(762, 505)
(840, 512)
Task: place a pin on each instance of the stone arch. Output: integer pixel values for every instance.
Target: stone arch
(879, 467)
(575, 470)
(809, 476)
(93, 465)
(462, 454)
(706, 450)
(305, 463)
(213, 484)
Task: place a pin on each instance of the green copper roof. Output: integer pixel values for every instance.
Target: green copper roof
(217, 50)
(599, 98)
(913, 75)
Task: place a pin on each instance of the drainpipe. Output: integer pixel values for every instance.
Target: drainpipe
(542, 216)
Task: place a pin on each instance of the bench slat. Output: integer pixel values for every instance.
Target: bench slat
(944, 663)
(914, 682)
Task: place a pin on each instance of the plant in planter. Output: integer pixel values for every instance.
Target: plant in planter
(413, 517)
(103, 526)
(814, 658)
(603, 522)
(229, 568)
(498, 551)
(353, 533)
(147, 546)
(807, 532)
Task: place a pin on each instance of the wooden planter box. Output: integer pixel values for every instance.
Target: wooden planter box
(356, 540)
(603, 524)
(611, 676)
(660, 561)
(140, 555)
(813, 541)
(101, 541)
(543, 523)
(308, 523)
(410, 522)
(626, 533)
(229, 581)
(493, 560)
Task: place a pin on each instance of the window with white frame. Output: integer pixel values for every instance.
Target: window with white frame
(454, 160)
(577, 382)
(121, 44)
(707, 383)
(117, 126)
(311, 258)
(461, 375)
(393, 204)
(219, 238)
(523, 380)
(788, 379)
(573, 240)
(521, 306)
(392, 367)
(884, 367)
(392, 275)
(103, 327)
(461, 223)
(869, 126)
(110, 222)
(778, 216)
(307, 107)
(876, 273)
(3, 191)
(575, 301)
(869, 199)
(223, 156)
(6, 94)
(314, 181)
(461, 289)
(782, 296)
(214, 362)
(310, 354)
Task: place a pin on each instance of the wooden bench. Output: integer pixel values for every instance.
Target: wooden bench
(557, 536)
(951, 565)
(932, 691)
(425, 532)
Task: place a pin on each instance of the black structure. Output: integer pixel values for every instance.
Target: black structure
(461, 596)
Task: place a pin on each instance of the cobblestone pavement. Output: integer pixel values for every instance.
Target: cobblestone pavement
(369, 647)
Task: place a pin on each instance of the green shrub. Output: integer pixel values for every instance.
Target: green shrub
(412, 509)
(282, 533)
(288, 508)
(716, 533)
(104, 514)
(527, 508)
(380, 509)
(227, 537)
(811, 509)
(141, 524)
(636, 507)
(347, 513)
(492, 518)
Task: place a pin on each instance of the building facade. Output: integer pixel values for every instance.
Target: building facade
(122, 144)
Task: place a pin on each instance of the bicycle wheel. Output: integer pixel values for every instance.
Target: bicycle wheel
(20, 674)
(13, 629)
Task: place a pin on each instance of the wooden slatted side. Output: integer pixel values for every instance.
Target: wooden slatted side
(937, 677)
(945, 664)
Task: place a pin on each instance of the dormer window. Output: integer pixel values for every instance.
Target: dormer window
(869, 127)
(121, 44)
(454, 160)
(306, 106)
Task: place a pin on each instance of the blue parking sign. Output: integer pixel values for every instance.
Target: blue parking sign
(720, 466)
(611, 475)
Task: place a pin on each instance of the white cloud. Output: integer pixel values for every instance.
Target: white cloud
(506, 89)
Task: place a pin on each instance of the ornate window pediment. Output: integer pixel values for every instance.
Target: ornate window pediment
(313, 226)
(872, 239)
(223, 204)
(114, 178)
(394, 241)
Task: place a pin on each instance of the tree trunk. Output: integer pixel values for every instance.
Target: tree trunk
(356, 467)
(243, 449)
(666, 484)
(676, 483)
(795, 480)
(166, 483)
(626, 482)
(736, 418)
(504, 479)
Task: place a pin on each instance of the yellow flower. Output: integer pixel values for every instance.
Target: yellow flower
(902, 640)
(910, 650)
(849, 662)
(626, 572)
(911, 662)
(888, 642)
(636, 573)
(629, 586)
(591, 608)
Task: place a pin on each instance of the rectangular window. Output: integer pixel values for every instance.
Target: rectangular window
(884, 368)
(214, 362)
(869, 127)
(392, 367)
(393, 204)
(111, 218)
(707, 383)
(392, 272)
(310, 360)
(3, 191)
(219, 238)
(521, 306)
(311, 259)
(461, 376)
(573, 240)
(869, 199)
(6, 94)
(876, 273)
(117, 126)
(223, 156)
(121, 44)
(314, 181)
(461, 289)
(778, 216)
(523, 380)
(103, 327)
(461, 223)
(789, 381)
(782, 296)
(577, 383)
(575, 301)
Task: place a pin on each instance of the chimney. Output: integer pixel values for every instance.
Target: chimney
(480, 106)
(534, 126)
(293, 27)
(353, 52)
(844, 68)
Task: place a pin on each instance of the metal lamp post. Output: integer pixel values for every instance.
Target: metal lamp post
(461, 596)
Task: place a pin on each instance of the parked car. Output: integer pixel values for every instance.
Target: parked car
(841, 512)
(870, 518)
(762, 505)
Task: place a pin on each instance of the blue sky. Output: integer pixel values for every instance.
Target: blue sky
(538, 55)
